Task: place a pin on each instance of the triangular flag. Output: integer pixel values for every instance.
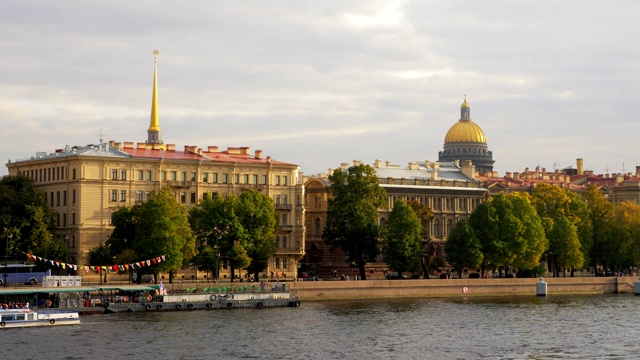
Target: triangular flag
(127, 266)
(62, 264)
(75, 267)
(98, 269)
(149, 262)
(138, 264)
(163, 259)
(155, 261)
(58, 263)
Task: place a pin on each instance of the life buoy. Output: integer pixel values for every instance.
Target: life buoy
(297, 303)
(159, 307)
(52, 321)
(178, 306)
(125, 299)
(149, 298)
(209, 306)
(148, 307)
(212, 297)
(2, 323)
(465, 290)
(259, 305)
(190, 306)
(229, 305)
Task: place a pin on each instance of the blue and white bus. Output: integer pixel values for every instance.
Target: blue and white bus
(21, 274)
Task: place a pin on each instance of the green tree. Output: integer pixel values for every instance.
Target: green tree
(564, 245)
(510, 232)
(352, 215)
(425, 215)
(403, 239)
(98, 256)
(257, 215)
(159, 227)
(24, 215)
(598, 226)
(215, 224)
(462, 248)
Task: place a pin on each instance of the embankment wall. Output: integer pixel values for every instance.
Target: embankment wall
(336, 290)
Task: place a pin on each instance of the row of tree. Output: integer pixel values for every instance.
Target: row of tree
(236, 230)
(516, 231)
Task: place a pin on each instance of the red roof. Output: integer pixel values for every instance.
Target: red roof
(222, 156)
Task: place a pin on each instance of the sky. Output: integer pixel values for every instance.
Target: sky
(319, 83)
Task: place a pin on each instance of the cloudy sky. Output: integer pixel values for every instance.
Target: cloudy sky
(317, 83)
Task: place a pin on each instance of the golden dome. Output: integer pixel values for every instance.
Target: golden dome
(465, 104)
(465, 131)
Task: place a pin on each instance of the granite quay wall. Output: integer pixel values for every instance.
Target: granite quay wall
(372, 289)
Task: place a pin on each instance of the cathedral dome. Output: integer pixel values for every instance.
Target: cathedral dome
(465, 130)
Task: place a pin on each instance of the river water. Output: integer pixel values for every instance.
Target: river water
(556, 327)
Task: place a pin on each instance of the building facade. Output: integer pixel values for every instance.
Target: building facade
(85, 185)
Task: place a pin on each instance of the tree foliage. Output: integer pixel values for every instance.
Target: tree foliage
(598, 227)
(25, 216)
(148, 230)
(403, 239)
(463, 248)
(352, 215)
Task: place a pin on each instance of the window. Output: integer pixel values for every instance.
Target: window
(163, 176)
(147, 175)
(62, 172)
(284, 199)
(73, 241)
(193, 198)
(205, 177)
(73, 218)
(64, 198)
(318, 227)
(139, 174)
(215, 178)
(246, 179)
(58, 222)
(114, 195)
(277, 200)
(436, 227)
(57, 173)
(193, 176)
(255, 179)
(277, 241)
(174, 176)
(284, 243)
(284, 180)
(277, 179)
(285, 220)
(57, 198)
(236, 178)
(139, 196)
(284, 263)
(52, 199)
(73, 196)
(123, 195)
(224, 178)
(114, 174)
(64, 219)
(123, 174)
(73, 174)
(183, 197)
(298, 200)
(277, 264)
(183, 176)
(147, 195)
(264, 179)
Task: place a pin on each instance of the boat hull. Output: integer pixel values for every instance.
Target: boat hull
(33, 318)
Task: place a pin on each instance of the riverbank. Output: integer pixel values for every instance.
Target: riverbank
(418, 288)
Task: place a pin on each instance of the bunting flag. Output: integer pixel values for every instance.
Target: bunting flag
(99, 268)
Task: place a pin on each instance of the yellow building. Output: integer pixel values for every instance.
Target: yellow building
(86, 184)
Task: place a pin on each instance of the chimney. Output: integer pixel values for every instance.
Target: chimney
(199, 151)
(427, 164)
(139, 145)
(244, 150)
(330, 171)
(357, 162)
(258, 154)
(344, 165)
(468, 169)
(619, 178)
(456, 163)
(580, 166)
(156, 146)
(212, 149)
(413, 165)
(171, 147)
(516, 176)
(507, 174)
(377, 163)
(387, 163)
(268, 159)
(128, 144)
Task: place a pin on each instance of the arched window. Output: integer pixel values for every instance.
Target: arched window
(436, 227)
(449, 226)
(277, 241)
(284, 242)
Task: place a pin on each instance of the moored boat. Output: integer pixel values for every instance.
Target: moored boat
(13, 318)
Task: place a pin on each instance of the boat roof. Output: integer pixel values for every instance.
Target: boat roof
(57, 289)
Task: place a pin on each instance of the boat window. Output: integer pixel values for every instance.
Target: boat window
(20, 317)
(29, 316)
(7, 317)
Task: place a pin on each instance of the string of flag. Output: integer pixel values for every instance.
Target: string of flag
(99, 268)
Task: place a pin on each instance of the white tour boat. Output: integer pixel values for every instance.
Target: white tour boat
(12, 318)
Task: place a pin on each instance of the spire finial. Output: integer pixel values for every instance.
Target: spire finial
(155, 57)
(154, 132)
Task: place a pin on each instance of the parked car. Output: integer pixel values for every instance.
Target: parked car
(394, 275)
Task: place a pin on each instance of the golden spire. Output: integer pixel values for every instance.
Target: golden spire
(154, 125)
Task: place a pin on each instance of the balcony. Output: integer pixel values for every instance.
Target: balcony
(288, 228)
(179, 184)
(284, 206)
